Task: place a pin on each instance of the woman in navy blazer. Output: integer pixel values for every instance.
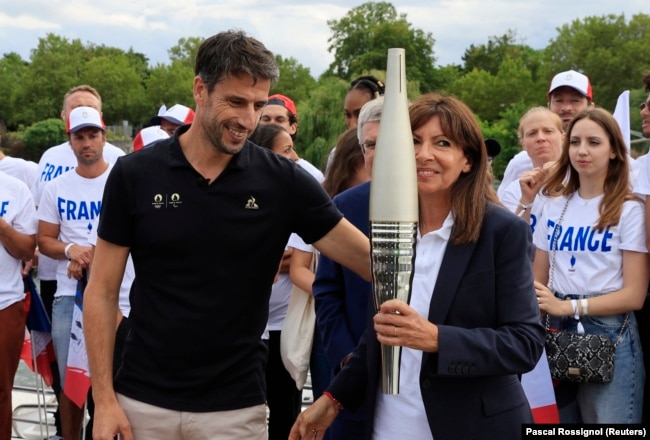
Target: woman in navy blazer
(472, 325)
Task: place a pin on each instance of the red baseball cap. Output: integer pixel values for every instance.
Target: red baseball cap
(285, 102)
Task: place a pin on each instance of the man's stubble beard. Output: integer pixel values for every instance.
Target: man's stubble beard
(215, 135)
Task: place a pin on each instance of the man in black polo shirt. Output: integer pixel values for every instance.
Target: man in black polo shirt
(206, 216)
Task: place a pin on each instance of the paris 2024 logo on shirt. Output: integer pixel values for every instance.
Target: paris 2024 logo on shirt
(167, 201)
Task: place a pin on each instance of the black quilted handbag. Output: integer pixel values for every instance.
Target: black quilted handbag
(581, 358)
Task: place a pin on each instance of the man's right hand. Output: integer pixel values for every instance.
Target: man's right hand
(110, 420)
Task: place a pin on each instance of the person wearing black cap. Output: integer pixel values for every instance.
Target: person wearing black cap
(493, 148)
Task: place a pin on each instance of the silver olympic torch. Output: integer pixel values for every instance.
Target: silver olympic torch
(393, 207)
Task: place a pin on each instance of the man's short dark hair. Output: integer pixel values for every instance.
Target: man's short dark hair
(233, 53)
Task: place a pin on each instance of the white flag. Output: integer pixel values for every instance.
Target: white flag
(622, 116)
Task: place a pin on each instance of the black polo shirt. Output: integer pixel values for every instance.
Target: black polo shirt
(205, 257)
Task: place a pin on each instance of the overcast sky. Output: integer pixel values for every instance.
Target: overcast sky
(290, 28)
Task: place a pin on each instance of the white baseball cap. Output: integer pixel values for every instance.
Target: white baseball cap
(573, 79)
(147, 136)
(178, 114)
(82, 117)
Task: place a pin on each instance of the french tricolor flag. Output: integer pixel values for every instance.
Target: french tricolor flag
(77, 377)
(538, 387)
(38, 350)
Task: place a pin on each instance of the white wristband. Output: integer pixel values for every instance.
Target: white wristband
(525, 207)
(67, 249)
(576, 315)
(574, 306)
(584, 305)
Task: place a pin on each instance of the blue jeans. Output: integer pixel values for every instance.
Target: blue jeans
(62, 308)
(621, 400)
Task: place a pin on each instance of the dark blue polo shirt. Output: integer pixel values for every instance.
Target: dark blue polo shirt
(205, 257)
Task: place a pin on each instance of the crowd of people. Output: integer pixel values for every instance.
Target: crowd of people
(188, 248)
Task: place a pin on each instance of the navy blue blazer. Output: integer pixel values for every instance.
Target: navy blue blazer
(341, 295)
(342, 309)
(489, 326)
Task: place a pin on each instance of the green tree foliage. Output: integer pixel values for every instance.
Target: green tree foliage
(58, 64)
(42, 135)
(446, 76)
(12, 70)
(167, 84)
(12, 144)
(504, 130)
(295, 80)
(119, 84)
(489, 95)
(171, 83)
(185, 51)
(360, 42)
(138, 61)
(55, 66)
(490, 56)
(321, 120)
(612, 52)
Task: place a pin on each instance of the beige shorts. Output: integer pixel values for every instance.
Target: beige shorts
(152, 422)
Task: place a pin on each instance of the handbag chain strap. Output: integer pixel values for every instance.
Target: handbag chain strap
(556, 234)
(551, 275)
